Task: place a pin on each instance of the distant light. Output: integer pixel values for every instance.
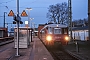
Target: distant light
(31, 18)
(57, 25)
(28, 8)
(26, 22)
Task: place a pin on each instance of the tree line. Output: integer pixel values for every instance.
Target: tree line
(58, 13)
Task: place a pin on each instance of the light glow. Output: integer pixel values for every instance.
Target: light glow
(48, 38)
(26, 22)
(67, 38)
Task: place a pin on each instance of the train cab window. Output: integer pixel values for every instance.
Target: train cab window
(64, 31)
(57, 30)
(50, 30)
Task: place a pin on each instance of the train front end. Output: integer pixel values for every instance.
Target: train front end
(57, 35)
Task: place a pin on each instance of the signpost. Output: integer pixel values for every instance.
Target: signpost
(17, 20)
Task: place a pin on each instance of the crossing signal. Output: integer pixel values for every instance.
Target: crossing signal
(24, 14)
(14, 22)
(11, 13)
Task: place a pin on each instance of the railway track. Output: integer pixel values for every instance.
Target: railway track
(59, 53)
(6, 42)
(7, 47)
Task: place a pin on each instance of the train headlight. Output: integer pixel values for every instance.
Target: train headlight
(67, 38)
(48, 38)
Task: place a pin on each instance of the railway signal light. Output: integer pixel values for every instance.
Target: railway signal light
(21, 22)
(14, 22)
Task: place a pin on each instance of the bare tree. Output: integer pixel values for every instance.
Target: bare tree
(58, 13)
(52, 13)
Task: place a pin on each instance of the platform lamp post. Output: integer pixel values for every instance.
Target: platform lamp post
(29, 22)
(31, 28)
(28, 15)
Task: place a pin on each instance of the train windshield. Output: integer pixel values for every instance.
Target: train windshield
(60, 31)
(64, 30)
(57, 30)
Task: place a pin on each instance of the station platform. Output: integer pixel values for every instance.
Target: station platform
(41, 53)
(36, 51)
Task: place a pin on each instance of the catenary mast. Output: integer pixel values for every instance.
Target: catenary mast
(89, 18)
(70, 17)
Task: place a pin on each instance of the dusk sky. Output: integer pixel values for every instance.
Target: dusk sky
(40, 9)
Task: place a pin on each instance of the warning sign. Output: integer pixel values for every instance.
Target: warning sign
(11, 13)
(24, 14)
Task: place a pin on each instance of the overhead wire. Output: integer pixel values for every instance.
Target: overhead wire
(24, 6)
(19, 7)
(7, 1)
(31, 2)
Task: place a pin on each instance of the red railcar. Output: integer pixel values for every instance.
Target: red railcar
(4, 34)
(54, 33)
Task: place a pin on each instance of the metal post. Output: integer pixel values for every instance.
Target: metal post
(89, 25)
(29, 22)
(4, 20)
(77, 46)
(34, 30)
(31, 30)
(31, 34)
(17, 54)
(89, 18)
(70, 17)
(28, 18)
(29, 26)
(7, 27)
(17, 39)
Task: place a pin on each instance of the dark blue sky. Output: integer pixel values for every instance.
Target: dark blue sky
(40, 8)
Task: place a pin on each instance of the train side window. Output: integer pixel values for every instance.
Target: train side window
(50, 30)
